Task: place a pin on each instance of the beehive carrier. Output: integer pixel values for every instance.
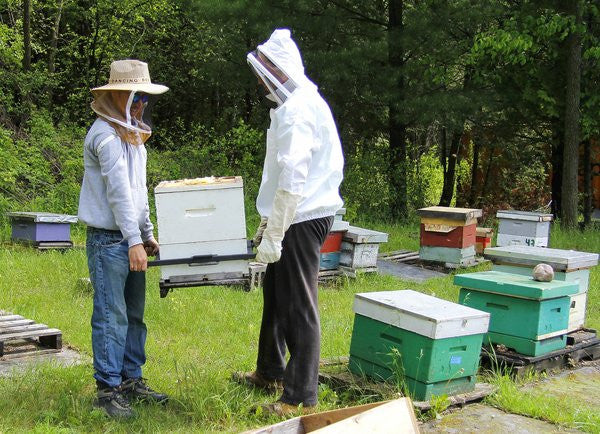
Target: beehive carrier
(202, 233)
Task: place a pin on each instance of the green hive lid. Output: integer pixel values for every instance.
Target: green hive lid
(560, 260)
(421, 313)
(515, 285)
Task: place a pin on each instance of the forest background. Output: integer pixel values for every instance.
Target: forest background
(485, 104)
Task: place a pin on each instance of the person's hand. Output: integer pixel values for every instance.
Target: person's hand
(259, 232)
(151, 247)
(138, 260)
(269, 251)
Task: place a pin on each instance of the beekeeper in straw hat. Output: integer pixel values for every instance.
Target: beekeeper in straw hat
(113, 203)
(297, 200)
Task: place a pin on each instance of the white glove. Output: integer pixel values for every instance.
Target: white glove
(259, 232)
(282, 216)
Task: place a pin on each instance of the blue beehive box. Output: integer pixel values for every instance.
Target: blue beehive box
(42, 228)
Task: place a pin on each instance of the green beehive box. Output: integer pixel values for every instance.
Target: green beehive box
(521, 317)
(527, 347)
(529, 316)
(430, 344)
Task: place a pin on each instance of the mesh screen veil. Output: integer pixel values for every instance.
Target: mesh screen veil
(129, 119)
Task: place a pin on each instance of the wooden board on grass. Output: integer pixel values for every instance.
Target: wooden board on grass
(376, 417)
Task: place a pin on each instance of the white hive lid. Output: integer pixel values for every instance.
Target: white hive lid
(559, 259)
(421, 313)
(524, 215)
(42, 217)
(207, 183)
(360, 235)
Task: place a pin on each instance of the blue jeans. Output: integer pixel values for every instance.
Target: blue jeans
(118, 329)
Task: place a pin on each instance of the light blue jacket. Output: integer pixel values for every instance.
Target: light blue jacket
(113, 193)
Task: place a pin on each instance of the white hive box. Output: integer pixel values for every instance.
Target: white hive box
(420, 313)
(360, 247)
(523, 228)
(199, 217)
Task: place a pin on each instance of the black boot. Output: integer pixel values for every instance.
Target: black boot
(136, 388)
(112, 401)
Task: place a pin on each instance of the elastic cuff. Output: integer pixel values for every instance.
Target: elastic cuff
(134, 240)
(148, 237)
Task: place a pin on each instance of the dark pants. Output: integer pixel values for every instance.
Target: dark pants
(291, 313)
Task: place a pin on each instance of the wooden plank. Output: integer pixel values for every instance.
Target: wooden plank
(317, 421)
(4, 324)
(404, 254)
(409, 258)
(481, 391)
(28, 353)
(398, 413)
(21, 328)
(310, 423)
(30, 334)
(10, 317)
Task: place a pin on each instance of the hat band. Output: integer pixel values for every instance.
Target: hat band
(128, 80)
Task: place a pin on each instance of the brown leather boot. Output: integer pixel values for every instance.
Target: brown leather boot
(283, 409)
(255, 379)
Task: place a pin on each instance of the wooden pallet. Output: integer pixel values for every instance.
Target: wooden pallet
(412, 258)
(344, 381)
(20, 336)
(581, 345)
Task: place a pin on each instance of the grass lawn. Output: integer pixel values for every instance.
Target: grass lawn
(197, 337)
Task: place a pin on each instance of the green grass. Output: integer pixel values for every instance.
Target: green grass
(197, 338)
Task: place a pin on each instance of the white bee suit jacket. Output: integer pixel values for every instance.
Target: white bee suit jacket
(304, 153)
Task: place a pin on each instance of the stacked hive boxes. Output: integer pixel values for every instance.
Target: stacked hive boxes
(528, 316)
(203, 216)
(483, 239)
(360, 248)
(431, 344)
(448, 234)
(331, 249)
(523, 228)
(42, 229)
(568, 265)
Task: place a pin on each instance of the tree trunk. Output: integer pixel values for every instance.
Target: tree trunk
(556, 159)
(450, 173)
(443, 150)
(54, 38)
(474, 167)
(587, 183)
(486, 179)
(26, 35)
(397, 128)
(569, 188)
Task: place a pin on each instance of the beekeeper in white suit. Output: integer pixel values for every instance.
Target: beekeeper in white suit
(297, 200)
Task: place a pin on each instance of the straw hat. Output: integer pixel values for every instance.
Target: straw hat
(130, 74)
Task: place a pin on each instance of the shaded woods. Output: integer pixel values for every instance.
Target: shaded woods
(470, 103)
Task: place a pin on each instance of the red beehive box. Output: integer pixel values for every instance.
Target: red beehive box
(333, 242)
(447, 236)
(483, 239)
